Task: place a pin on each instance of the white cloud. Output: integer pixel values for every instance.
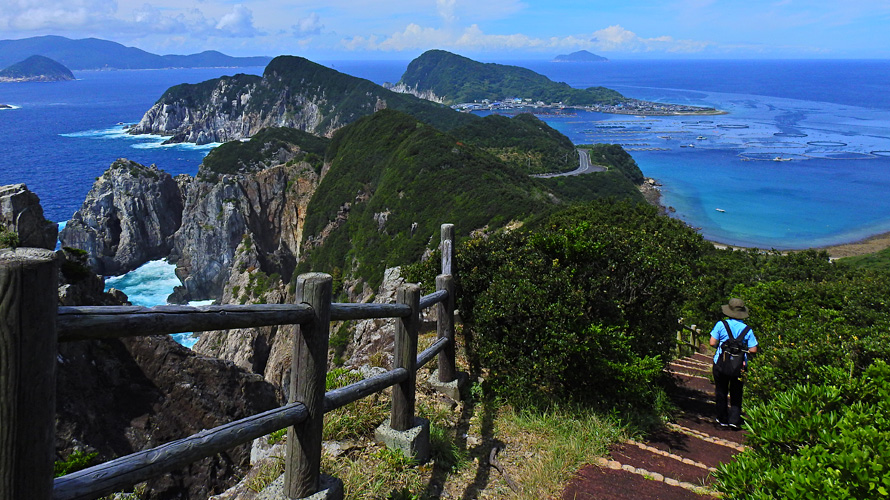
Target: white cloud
(309, 25)
(445, 8)
(238, 23)
(617, 39)
(32, 15)
(610, 39)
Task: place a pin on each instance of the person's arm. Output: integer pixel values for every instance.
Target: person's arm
(751, 349)
(713, 342)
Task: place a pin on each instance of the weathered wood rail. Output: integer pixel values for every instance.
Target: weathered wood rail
(32, 323)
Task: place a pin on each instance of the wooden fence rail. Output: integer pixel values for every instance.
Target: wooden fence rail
(31, 324)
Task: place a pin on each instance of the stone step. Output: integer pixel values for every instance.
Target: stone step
(695, 363)
(677, 367)
(667, 464)
(696, 447)
(611, 480)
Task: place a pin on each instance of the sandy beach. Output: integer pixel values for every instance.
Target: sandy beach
(872, 244)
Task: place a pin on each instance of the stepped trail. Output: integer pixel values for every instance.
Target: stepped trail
(674, 463)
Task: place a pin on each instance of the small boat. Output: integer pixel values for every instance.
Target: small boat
(687, 145)
(720, 210)
(701, 138)
(779, 158)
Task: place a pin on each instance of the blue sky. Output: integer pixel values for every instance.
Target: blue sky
(492, 29)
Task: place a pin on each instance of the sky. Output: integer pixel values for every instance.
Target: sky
(493, 29)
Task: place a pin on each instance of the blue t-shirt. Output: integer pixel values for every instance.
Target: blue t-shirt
(719, 333)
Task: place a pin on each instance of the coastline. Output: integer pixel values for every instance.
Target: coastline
(872, 244)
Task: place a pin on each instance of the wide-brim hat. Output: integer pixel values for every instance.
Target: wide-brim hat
(735, 309)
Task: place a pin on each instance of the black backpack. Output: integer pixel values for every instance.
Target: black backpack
(732, 355)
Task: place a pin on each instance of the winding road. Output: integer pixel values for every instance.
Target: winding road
(584, 167)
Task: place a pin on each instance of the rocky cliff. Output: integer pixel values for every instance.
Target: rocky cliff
(293, 92)
(127, 219)
(263, 211)
(117, 396)
(21, 219)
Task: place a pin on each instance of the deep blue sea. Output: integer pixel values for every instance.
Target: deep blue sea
(827, 121)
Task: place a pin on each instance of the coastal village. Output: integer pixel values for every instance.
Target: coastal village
(627, 107)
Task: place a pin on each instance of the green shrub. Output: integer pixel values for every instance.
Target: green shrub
(76, 461)
(583, 307)
(817, 441)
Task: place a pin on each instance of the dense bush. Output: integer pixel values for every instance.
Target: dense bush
(818, 441)
(582, 307)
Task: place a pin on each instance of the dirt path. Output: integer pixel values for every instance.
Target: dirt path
(674, 463)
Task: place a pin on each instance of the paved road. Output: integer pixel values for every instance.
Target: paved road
(584, 167)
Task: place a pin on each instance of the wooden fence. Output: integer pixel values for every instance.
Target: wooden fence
(32, 323)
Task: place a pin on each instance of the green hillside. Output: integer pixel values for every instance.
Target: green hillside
(525, 142)
(37, 68)
(402, 179)
(459, 79)
(264, 149)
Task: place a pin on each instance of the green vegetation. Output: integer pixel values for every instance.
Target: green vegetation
(8, 238)
(401, 179)
(614, 156)
(459, 79)
(341, 98)
(826, 441)
(262, 150)
(525, 142)
(76, 461)
(582, 307)
(879, 261)
(37, 68)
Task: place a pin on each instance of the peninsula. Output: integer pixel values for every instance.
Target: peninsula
(468, 85)
(36, 69)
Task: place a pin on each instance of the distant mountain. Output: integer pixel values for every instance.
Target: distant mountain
(456, 79)
(580, 56)
(92, 53)
(36, 69)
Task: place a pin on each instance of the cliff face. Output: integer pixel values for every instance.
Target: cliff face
(293, 92)
(127, 219)
(265, 211)
(21, 213)
(117, 396)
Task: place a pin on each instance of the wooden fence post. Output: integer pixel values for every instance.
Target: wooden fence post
(308, 373)
(447, 248)
(405, 356)
(445, 328)
(29, 280)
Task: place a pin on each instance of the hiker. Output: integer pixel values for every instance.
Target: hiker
(728, 368)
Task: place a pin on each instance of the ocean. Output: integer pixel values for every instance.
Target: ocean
(802, 159)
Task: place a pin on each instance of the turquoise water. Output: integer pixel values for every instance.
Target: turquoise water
(785, 173)
(830, 119)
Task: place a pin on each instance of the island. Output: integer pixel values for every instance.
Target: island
(580, 56)
(36, 69)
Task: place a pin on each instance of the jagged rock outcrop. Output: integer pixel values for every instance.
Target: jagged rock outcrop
(428, 94)
(21, 213)
(127, 219)
(264, 210)
(117, 396)
(293, 92)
